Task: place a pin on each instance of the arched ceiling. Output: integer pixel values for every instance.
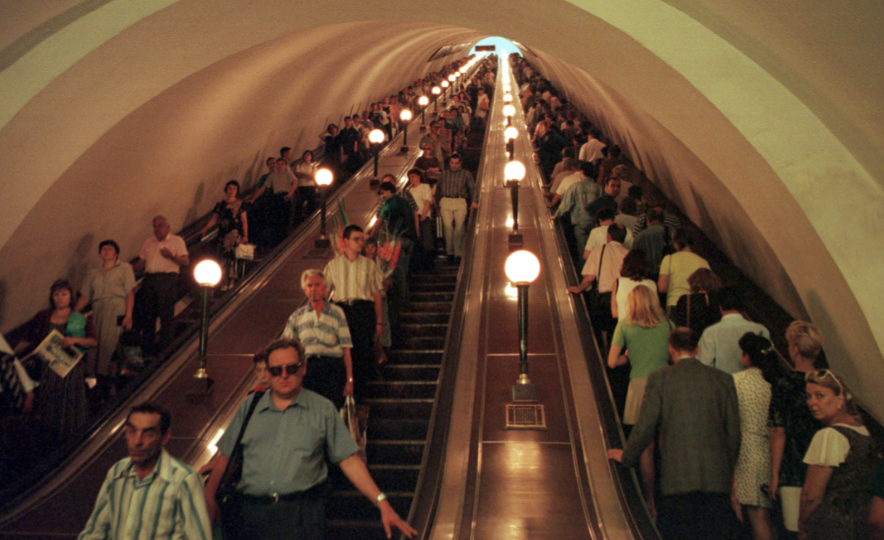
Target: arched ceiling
(761, 120)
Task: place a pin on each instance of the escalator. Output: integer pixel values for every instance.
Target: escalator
(400, 404)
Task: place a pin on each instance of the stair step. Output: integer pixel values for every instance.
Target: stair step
(428, 343)
(413, 409)
(431, 296)
(387, 477)
(415, 356)
(398, 430)
(403, 452)
(401, 389)
(423, 329)
(411, 372)
(429, 317)
(419, 306)
(336, 529)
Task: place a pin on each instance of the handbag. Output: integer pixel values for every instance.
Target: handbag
(356, 419)
(226, 495)
(245, 252)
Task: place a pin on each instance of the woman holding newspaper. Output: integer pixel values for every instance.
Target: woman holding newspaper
(61, 394)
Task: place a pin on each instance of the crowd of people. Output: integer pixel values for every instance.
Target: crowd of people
(738, 433)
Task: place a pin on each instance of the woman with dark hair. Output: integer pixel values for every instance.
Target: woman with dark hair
(60, 401)
(840, 459)
(305, 172)
(644, 333)
(753, 464)
(111, 289)
(698, 310)
(233, 223)
(423, 197)
(677, 267)
(634, 272)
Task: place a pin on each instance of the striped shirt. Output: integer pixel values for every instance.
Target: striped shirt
(353, 280)
(326, 334)
(457, 185)
(168, 503)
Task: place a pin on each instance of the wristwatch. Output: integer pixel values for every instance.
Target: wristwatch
(381, 497)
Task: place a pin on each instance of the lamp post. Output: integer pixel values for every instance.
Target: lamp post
(405, 116)
(324, 179)
(513, 174)
(436, 91)
(510, 134)
(445, 86)
(507, 98)
(375, 138)
(423, 101)
(509, 110)
(207, 275)
(522, 267)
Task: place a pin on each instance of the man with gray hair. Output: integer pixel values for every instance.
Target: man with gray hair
(161, 258)
(322, 328)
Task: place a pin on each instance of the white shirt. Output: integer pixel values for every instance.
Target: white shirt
(567, 182)
(155, 263)
(599, 235)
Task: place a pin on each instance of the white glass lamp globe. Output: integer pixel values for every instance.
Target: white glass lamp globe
(509, 110)
(511, 133)
(207, 273)
(423, 101)
(405, 115)
(522, 267)
(514, 170)
(376, 136)
(324, 177)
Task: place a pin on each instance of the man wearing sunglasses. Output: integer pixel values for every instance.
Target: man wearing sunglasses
(284, 487)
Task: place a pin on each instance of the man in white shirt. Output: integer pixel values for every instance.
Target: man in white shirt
(591, 151)
(719, 345)
(161, 258)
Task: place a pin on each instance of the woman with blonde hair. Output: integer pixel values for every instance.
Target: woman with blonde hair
(644, 332)
(841, 458)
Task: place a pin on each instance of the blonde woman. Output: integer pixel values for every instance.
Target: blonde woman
(644, 333)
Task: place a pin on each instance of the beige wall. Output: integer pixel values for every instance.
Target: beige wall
(762, 120)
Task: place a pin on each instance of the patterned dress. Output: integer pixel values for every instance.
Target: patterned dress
(845, 507)
(753, 465)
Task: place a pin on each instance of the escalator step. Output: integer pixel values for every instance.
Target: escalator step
(411, 372)
(395, 452)
(397, 430)
(415, 356)
(414, 409)
(400, 389)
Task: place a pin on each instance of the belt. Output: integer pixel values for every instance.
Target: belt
(160, 274)
(320, 489)
(352, 302)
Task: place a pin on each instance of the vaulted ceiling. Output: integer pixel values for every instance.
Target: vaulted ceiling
(762, 120)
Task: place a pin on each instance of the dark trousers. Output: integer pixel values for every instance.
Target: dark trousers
(299, 519)
(362, 321)
(157, 298)
(308, 202)
(327, 375)
(696, 516)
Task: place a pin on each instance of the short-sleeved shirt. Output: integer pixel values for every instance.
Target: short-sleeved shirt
(281, 182)
(421, 194)
(399, 216)
(325, 334)
(719, 344)
(116, 282)
(652, 241)
(679, 267)
(648, 347)
(306, 168)
(599, 236)
(284, 451)
(830, 448)
(155, 263)
(353, 280)
(614, 253)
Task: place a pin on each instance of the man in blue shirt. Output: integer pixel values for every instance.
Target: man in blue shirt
(283, 490)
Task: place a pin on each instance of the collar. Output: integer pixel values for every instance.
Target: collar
(731, 316)
(267, 403)
(325, 310)
(163, 469)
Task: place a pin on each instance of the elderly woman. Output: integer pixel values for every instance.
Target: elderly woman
(753, 464)
(60, 401)
(841, 458)
(644, 332)
(111, 289)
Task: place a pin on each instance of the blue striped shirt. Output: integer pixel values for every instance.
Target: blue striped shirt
(326, 334)
(168, 503)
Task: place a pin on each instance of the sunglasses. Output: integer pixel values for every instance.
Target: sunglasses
(291, 369)
(822, 374)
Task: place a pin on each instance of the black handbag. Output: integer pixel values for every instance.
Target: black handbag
(593, 297)
(226, 494)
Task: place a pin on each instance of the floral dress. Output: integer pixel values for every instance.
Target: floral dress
(753, 464)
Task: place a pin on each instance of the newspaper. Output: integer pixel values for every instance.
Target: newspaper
(60, 360)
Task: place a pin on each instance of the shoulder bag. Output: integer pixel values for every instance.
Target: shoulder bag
(226, 494)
